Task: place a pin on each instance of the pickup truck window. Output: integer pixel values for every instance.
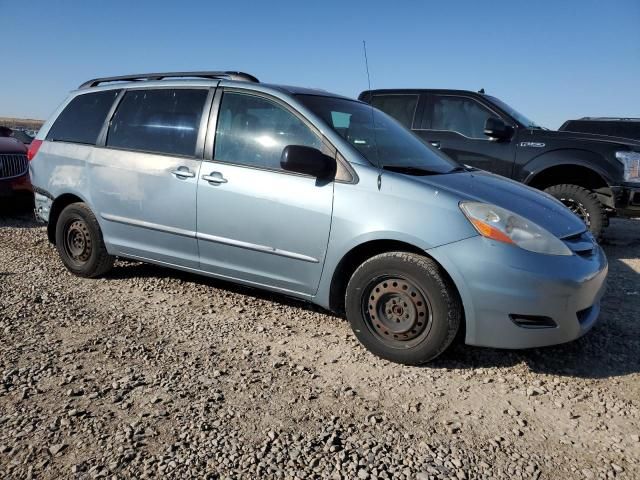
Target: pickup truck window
(400, 107)
(459, 114)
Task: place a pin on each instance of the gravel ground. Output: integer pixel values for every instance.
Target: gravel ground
(154, 373)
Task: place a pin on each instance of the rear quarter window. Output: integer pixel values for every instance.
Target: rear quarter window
(82, 119)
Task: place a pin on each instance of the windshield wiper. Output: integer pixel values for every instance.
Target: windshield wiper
(409, 170)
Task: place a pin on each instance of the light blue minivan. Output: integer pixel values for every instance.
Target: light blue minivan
(316, 196)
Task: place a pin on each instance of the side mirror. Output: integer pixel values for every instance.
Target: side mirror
(496, 129)
(309, 161)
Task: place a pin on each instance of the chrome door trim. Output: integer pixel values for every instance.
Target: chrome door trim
(256, 247)
(148, 225)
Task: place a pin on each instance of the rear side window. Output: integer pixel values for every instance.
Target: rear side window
(400, 107)
(82, 119)
(158, 120)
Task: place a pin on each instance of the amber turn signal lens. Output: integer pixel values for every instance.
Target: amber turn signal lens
(488, 231)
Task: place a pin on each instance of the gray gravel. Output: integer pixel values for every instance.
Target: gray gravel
(153, 373)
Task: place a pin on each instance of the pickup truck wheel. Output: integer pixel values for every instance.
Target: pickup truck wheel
(79, 242)
(402, 307)
(584, 203)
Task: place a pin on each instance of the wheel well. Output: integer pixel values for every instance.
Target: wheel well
(59, 204)
(571, 174)
(353, 259)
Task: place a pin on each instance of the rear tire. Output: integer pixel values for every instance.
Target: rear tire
(584, 203)
(80, 244)
(402, 307)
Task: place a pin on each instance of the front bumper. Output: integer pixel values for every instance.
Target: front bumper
(627, 200)
(498, 282)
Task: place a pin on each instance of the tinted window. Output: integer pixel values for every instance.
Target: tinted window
(400, 107)
(459, 114)
(82, 120)
(254, 131)
(162, 121)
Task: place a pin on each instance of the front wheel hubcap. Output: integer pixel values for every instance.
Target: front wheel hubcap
(397, 311)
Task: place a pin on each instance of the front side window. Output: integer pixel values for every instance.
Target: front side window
(82, 119)
(378, 137)
(459, 114)
(400, 107)
(158, 120)
(253, 131)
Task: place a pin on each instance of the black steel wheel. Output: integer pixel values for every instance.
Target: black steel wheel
(397, 311)
(79, 242)
(403, 307)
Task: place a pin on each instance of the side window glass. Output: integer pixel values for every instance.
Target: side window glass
(253, 131)
(400, 107)
(458, 114)
(82, 120)
(158, 120)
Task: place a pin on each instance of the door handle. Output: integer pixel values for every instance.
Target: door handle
(183, 172)
(214, 177)
(435, 143)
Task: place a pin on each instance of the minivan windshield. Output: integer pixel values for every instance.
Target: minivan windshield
(378, 137)
(513, 112)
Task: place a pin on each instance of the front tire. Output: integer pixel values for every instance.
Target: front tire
(584, 203)
(402, 307)
(80, 244)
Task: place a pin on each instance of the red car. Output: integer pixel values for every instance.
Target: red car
(14, 170)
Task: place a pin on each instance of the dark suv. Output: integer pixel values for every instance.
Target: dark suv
(593, 175)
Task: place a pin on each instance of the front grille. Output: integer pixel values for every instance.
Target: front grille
(13, 165)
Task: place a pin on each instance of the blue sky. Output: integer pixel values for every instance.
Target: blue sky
(552, 60)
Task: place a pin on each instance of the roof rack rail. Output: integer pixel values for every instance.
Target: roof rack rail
(240, 76)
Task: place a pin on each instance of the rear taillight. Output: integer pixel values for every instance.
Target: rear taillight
(33, 149)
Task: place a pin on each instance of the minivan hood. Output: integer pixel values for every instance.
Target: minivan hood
(534, 205)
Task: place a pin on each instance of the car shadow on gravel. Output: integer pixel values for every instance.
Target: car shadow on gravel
(17, 213)
(127, 269)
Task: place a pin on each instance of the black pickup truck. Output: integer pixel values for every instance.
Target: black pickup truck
(594, 175)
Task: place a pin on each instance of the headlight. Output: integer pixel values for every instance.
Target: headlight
(631, 163)
(504, 226)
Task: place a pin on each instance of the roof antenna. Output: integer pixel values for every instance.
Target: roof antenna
(373, 122)
(481, 91)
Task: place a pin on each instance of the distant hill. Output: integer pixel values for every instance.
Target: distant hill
(21, 122)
